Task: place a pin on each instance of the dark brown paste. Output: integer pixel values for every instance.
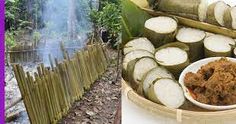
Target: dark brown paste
(214, 83)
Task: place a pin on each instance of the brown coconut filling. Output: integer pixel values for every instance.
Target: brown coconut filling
(214, 83)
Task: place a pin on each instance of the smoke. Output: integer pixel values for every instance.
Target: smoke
(64, 21)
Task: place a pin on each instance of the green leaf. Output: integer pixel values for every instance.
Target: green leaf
(12, 1)
(133, 19)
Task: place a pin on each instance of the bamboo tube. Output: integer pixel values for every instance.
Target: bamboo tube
(93, 61)
(77, 76)
(23, 93)
(42, 68)
(71, 81)
(47, 98)
(56, 95)
(67, 83)
(52, 95)
(64, 82)
(67, 55)
(96, 59)
(27, 91)
(63, 50)
(84, 76)
(39, 71)
(56, 62)
(42, 99)
(91, 64)
(89, 68)
(37, 100)
(102, 57)
(33, 96)
(102, 66)
(51, 62)
(61, 90)
(86, 68)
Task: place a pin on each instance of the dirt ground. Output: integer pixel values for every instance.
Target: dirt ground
(98, 105)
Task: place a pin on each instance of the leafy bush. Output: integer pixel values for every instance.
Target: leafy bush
(109, 18)
(10, 39)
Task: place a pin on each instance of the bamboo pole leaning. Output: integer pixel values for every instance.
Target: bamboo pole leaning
(51, 92)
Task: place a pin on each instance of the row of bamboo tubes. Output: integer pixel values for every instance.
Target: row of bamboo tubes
(49, 94)
(23, 52)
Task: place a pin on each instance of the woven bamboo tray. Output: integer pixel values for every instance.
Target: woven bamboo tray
(186, 114)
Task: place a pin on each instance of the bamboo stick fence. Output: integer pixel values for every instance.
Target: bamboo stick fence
(23, 52)
(49, 94)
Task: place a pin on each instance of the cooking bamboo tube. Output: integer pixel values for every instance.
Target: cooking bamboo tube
(86, 68)
(91, 66)
(39, 71)
(93, 61)
(63, 50)
(71, 80)
(48, 99)
(42, 99)
(74, 77)
(61, 90)
(101, 64)
(102, 57)
(84, 76)
(88, 64)
(96, 59)
(77, 75)
(67, 82)
(56, 95)
(64, 82)
(27, 91)
(51, 62)
(52, 94)
(33, 96)
(23, 93)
